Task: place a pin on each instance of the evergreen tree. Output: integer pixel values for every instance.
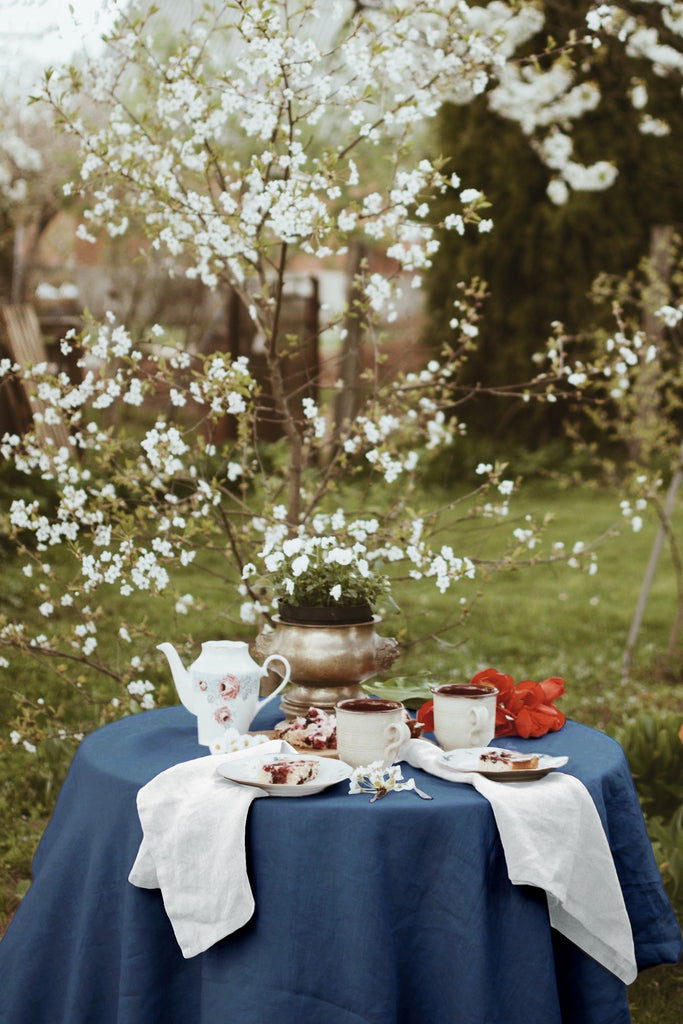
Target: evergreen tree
(541, 258)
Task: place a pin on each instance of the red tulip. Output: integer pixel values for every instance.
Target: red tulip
(425, 714)
(524, 709)
(502, 682)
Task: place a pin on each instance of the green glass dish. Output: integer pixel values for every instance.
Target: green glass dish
(411, 691)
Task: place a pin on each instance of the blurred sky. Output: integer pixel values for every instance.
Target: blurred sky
(36, 33)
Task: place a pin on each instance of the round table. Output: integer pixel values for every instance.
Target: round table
(397, 912)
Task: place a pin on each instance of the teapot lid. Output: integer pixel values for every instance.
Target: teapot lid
(224, 643)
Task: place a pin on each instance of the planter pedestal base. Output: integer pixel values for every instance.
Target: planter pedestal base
(298, 697)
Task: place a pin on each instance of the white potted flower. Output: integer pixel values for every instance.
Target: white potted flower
(318, 579)
(326, 586)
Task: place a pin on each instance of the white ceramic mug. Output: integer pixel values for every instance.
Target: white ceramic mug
(370, 729)
(464, 714)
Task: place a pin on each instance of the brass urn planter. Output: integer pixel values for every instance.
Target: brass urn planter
(327, 661)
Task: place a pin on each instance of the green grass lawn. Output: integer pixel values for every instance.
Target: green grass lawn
(552, 620)
(531, 624)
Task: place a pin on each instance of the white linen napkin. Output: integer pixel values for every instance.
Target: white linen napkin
(553, 839)
(193, 847)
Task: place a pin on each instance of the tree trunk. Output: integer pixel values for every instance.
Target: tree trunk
(651, 567)
(18, 266)
(654, 296)
(26, 241)
(350, 364)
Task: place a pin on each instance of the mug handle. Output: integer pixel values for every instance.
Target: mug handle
(395, 735)
(479, 717)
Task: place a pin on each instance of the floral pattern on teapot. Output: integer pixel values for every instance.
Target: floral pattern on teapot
(222, 692)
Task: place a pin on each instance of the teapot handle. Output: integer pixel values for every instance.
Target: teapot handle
(281, 685)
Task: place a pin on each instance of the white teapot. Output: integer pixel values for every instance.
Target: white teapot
(222, 687)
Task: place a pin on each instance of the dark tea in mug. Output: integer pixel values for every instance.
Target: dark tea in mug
(465, 689)
(369, 704)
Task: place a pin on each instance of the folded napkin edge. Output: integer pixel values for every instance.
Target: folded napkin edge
(615, 954)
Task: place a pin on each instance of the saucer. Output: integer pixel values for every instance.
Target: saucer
(467, 760)
(245, 772)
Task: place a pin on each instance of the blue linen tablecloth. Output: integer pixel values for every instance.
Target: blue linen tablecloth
(398, 912)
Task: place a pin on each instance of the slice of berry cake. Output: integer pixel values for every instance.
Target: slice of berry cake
(316, 730)
(507, 760)
(288, 771)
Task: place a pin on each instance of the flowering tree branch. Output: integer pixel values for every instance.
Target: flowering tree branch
(268, 132)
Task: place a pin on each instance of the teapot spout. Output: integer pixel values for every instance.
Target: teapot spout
(181, 677)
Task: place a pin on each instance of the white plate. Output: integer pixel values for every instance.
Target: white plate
(245, 771)
(467, 760)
